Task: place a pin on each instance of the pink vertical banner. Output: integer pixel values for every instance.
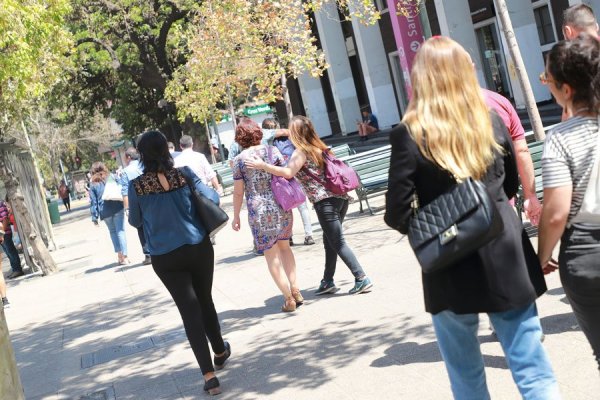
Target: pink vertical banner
(409, 36)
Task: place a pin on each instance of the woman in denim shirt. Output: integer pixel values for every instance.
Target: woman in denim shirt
(182, 256)
(110, 211)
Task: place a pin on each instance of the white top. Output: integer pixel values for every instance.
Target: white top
(568, 157)
(197, 163)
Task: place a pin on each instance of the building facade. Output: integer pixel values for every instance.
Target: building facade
(369, 65)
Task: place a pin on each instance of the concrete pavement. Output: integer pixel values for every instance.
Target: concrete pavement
(96, 330)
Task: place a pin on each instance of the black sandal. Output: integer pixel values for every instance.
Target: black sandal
(212, 386)
(219, 361)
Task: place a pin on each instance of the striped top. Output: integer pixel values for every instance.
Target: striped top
(568, 157)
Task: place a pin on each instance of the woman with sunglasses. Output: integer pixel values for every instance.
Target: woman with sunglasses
(569, 166)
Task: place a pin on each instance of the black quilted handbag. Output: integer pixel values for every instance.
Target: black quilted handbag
(454, 225)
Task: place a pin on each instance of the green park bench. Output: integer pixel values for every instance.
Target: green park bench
(372, 168)
(342, 151)
(224, 174)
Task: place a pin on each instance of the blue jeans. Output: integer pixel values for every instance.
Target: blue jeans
(519, 332)
(12, 253)
(116, 227)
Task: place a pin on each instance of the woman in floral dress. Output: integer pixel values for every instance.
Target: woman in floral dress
(271, 225)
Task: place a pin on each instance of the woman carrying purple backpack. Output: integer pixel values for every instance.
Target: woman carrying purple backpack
(308, 165)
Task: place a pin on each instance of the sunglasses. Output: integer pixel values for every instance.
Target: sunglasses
(544, 78)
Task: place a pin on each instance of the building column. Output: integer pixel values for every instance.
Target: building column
(455, 22)
(525, 29)
(378, 80)
(340, 74)
(314, 103)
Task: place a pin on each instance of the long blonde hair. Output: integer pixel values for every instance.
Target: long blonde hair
(447, 115)
(304, 137)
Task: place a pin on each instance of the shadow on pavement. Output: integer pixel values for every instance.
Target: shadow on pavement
(559, 323)
(103, 268)
(411, 353)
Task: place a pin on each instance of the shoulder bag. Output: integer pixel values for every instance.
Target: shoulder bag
(112, 190)
(590, 205)
(212, 217)
(287, 192)
(457, 223)
(340, 178)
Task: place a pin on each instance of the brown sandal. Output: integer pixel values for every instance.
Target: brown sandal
(297, 297)
(289, 305)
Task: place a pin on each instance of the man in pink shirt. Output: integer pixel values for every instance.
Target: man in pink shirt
(509, 115)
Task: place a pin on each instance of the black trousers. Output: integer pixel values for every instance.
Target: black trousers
(187, 272)
(331, 213)
(579, 264)
(67, 203)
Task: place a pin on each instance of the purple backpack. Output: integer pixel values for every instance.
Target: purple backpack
(340, 178)
(288, 193)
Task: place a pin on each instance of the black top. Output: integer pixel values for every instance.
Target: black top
(504, 274)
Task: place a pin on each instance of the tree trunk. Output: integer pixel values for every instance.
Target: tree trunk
(10, 381)
(515, 53)
(286, 99)
(40, 251)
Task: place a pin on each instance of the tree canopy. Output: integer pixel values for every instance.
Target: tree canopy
(244, 48)
(33, 42)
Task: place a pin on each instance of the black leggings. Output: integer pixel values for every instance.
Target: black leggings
(331, 213)
(67, 203)
(187, 272)
(580, 276)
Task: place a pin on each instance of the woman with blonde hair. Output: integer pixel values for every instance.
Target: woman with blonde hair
(307, 164)
(448, 135)
(109, 209)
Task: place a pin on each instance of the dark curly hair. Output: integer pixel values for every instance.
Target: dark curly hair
(248, 133)
(154, 152)
(577, 63)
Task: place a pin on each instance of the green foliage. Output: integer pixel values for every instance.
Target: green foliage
(243, 49)
(33, 42)
(126, 54)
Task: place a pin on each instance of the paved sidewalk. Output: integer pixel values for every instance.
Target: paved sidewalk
(99, 331)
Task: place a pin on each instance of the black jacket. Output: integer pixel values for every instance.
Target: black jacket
(503, 275)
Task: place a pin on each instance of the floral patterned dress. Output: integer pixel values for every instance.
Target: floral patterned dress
(268, 221)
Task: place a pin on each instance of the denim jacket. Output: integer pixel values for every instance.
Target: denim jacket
(169, 217)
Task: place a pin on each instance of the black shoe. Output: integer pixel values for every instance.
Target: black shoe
(15, 274)
(213, 387)
(220, 360)
(147, 260)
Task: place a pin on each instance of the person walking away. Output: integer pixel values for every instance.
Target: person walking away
(571, 177)
(368, 125)
(197, 163)
(307, 164)
(505, 110)
(7, 244)
(448, 135)
(286, 148)
(65, 194)
(182, 256)
(270, 224)
(109, 207)
(130, 172)
(5, 302)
